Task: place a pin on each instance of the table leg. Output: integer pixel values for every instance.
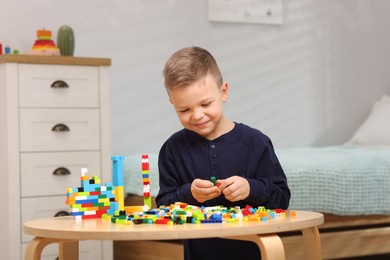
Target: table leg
(311, 238)
(35, 247)
(271, 246)
(69, 249)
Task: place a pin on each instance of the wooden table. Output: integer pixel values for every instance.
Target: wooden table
(67, 232)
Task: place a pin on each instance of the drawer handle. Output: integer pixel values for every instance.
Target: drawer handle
(60, 128)
(59, 84)
(61, 171)
(61, 213)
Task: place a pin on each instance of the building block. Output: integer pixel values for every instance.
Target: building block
(119, 197)
(117, 170)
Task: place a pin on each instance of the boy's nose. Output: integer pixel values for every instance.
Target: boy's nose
(198, 114)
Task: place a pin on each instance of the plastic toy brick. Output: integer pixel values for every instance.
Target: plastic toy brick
(145, 162)
(213, 180)
(117, 170)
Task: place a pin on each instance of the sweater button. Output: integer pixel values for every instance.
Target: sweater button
(213, 146)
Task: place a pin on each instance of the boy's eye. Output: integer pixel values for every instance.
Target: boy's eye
(183, 110)
(207, 104)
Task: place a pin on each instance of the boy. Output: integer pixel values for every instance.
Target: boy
(241, 158)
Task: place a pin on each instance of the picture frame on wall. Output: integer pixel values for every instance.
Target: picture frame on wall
(246, 11)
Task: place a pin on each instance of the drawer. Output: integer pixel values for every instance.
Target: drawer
(45, 174)
(43, 207)
(58, 86)
(88, 250)
(59, 129)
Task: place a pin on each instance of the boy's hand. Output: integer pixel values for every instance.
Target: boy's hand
(234, 188)
(204, 190)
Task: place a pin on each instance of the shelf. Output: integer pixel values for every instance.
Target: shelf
(55, 60)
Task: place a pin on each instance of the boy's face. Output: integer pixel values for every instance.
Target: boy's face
(200, 106)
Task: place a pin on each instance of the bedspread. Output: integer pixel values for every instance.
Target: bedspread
(343, 180)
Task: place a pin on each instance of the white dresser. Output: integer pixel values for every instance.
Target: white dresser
(54, 120)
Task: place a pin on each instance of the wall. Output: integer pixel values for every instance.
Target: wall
(310, 81)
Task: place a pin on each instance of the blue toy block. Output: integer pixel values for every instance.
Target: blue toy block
(111, 212)
(114, 206)
(216, 217)
(117, 170)
(205, 221)
(86, 201)
(78, 213)
(108, 194)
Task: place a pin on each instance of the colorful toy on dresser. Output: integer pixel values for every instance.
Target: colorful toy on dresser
(7, 50)
(92, 200)
(44, 45)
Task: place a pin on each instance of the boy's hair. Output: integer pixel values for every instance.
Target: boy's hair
(188, 65)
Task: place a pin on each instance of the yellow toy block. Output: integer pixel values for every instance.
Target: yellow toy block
(120, 197)
(133, 209)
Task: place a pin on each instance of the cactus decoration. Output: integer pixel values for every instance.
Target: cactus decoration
(65, 40)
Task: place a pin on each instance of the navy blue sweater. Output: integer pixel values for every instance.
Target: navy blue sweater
(245, 152)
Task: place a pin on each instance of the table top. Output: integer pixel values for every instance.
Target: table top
(99, 229)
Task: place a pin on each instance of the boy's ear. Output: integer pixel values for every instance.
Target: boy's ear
(170, 101)
(225, 91)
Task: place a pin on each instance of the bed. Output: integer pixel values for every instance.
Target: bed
(349, 183)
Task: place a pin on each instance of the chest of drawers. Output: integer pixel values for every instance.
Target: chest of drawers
(54, 120)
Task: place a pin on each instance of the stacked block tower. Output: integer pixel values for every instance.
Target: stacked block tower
(44, 45)
(93, 200)
(117, 177)
(146, 181)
